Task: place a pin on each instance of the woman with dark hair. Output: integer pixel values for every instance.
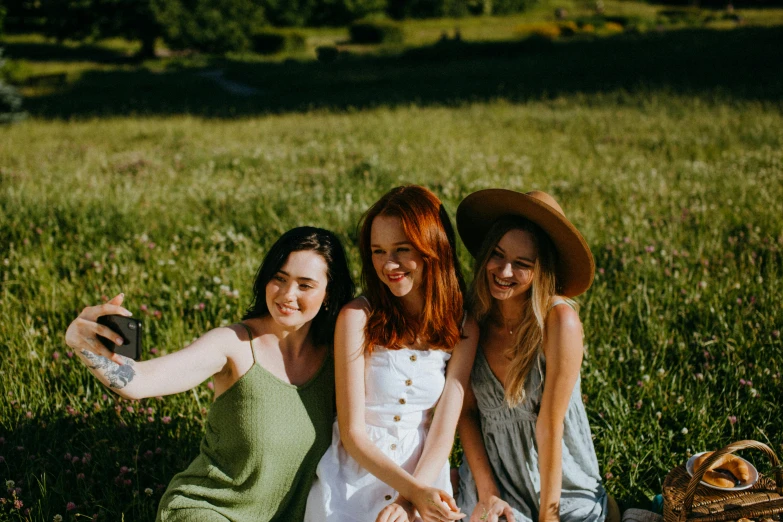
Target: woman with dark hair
(529, 455)
(400, 349)
(271, 419)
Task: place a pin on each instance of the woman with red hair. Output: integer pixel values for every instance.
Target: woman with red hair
(400, 349)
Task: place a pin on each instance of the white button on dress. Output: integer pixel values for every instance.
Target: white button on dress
(401, 388)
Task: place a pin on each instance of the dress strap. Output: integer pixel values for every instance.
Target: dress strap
(462, 326)
(559, 302)
(250, 335)
(365, 300)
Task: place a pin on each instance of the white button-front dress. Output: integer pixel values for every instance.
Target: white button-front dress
(401, 388)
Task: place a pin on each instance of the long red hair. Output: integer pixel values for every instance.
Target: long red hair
(428, 228)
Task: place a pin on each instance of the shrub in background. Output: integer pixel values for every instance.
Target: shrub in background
(500, 7)
(10, 100)
(568, 28)
(547, 30)
(400, 9)
(326, 53)
(376, 32)
(271, 42)
(688, 16)
(613, 27)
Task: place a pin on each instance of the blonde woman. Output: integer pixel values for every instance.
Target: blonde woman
(529, 455)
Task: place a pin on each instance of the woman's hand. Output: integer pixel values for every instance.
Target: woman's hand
(435, 505)
(491, 509)
(398, 511)
(172, 373)
(82, 334)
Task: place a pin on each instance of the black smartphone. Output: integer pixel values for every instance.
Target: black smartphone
(126, 327)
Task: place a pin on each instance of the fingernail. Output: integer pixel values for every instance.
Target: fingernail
(118, 341)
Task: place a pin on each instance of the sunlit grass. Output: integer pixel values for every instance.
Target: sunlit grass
(677, 190)
(679, 199)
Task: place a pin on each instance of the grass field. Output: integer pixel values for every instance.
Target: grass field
(666, 150)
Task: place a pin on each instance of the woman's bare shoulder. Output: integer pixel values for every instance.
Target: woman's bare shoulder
(356, 311)
(562, 316)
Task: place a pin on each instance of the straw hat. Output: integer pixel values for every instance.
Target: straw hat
(575, 266)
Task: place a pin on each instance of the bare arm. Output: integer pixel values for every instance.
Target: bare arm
(173, 373)
(489, 506)
(349, 383)
(563, 350)
(440, 438)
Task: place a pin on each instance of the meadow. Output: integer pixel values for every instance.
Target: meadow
(666, 150)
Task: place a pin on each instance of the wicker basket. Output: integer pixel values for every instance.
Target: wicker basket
(684, 499)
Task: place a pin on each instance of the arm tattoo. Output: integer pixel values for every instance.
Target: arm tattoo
(118, 376)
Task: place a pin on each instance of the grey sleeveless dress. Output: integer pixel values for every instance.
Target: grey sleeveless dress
(510, 440)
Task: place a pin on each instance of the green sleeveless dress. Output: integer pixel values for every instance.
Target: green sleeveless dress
(263, 441)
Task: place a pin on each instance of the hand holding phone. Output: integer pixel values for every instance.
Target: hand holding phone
(126, 327)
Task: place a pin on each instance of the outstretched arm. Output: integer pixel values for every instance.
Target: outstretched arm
(349, 381)
(174, 373)
(563, 350)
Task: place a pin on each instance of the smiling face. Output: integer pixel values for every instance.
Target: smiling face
(296, 292)
(511, 264)
(397, 263)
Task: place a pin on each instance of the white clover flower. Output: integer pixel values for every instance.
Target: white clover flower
(684, 431)
(148, 492)
(661, 371)
(658, 415)
(10, 484)
(58, 518)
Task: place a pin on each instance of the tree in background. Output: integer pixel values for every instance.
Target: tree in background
(401, 9)
(220, 26)
(297, 13)
(215, 26)
(131, 19)
(93, 19)
(10, 101)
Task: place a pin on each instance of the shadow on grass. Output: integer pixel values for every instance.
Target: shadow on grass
(102, 461)
(53, 52)
(742, 64)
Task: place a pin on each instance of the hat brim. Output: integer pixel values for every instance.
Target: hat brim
(476, 214)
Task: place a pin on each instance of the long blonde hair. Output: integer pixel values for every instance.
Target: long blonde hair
(530, 333)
